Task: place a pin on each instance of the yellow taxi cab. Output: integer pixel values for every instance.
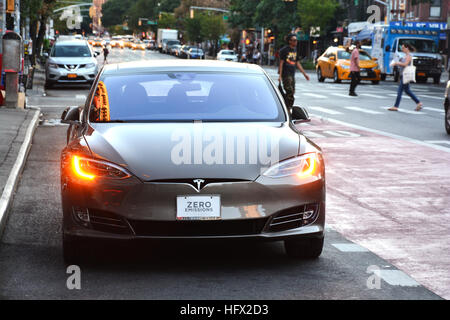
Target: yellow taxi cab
(97, 42)
(138, 45)
(335, 64)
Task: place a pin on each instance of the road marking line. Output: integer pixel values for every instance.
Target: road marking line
(80, 97)
(363, 110)
(438, 141)
(405, 111)
(312, 134)
(434, 109)
(373, 95)
(319, 96)
(324, 110)
(383, 133)
(396, 278)
(430, 97)
(349, 247)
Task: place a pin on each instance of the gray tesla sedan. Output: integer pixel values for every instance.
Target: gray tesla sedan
(190, 149)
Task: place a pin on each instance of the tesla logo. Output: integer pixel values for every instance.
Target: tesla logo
(198, 183)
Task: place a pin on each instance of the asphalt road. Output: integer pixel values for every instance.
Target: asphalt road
(31, 265)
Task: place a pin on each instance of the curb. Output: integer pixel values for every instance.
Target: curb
(14, 176)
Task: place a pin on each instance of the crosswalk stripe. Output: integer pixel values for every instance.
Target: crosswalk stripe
(314, 95)
(325, 110)
(434, 109)
(341, 95)
(363, 110)
(405, 111)
(373, 95)
(430, 97)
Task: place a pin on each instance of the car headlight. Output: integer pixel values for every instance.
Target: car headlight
(90, 65)
(90, 169)
(344, 66)
(53, 65)
(377, 67)
(303, 166)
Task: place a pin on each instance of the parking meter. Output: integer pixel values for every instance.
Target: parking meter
(11, 66)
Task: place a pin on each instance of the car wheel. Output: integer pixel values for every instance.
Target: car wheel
(336, 77)
(447, 117)
(437, 79)
(320, 77)
(383, 76)
(375, 81)
(304, 248)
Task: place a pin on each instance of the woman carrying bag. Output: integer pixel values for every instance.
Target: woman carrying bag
(405, 64)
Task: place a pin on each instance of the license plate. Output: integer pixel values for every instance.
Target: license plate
(198, 207)
(72, 75)
(363, 74)
(421, 74)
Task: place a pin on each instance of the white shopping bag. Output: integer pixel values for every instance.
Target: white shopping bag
(409, 74)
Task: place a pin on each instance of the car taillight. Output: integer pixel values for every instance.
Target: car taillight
(90, 169)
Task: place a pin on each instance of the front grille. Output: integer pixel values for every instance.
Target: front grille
(370, 73)
(294, 217)
(72, 79)
(108, 222)
(424, 62)
(198, 228)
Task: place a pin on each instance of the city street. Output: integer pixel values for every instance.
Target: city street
(388, 212)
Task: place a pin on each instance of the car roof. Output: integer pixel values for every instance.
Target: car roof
(148, 66)
(72, 42)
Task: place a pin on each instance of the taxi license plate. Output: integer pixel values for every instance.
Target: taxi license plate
(421, 74)
(363, 74)
(198, 207)
(72, 75)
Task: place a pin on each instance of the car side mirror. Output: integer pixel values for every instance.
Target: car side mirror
(96, 53)
(388, 48)
(300, 114)
(71, 115)
(374, 59)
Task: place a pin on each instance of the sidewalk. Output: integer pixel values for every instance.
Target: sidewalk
(17, 127)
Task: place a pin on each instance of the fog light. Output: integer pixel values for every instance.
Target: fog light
(308, 214)
(82, 215)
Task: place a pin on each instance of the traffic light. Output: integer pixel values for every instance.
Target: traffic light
(10, 7)
(247, 41)
(140, 22)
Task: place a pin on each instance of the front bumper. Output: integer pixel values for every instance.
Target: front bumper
(62, 75)
(372, 75)
(130, 209)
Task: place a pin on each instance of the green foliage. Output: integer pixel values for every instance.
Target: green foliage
(167, 20)
(193, 28)
(316, 13)
(114, 11)
(213, 27)
(242, 13)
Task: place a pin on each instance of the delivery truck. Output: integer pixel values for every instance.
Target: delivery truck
(165, 35)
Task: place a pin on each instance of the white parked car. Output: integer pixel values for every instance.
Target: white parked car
(227, 55)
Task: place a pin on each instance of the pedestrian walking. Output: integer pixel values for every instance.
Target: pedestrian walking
(256, 57)
(289, 62)
(405, 61)
(105, 54)
(354, 69)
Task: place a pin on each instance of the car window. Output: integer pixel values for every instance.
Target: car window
(70, 51)
(187, 96)
(420, 45)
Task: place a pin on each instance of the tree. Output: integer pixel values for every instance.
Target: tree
(316, 13)
(114, 11)
(193, 28)
(167, 20)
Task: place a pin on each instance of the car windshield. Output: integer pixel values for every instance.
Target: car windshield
(228, 52)
(70, 51)
(188, 96)
(344, 55)
(420, 45)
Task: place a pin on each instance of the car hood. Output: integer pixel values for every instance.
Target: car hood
(167, 151)
(72, 60)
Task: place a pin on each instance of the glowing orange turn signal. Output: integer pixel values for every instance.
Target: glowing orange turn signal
(79, 171)
(308, 167)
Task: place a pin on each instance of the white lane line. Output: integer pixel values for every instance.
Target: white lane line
(349, 247)
(430, 97)
(405, 111)
(312, 134)
(80, 97)
(325, 110)
(434, 109)
(438, 141)
(319, 96)
(396, 278)
(383, 133)
(363, 110)
(343, 95)
(373, 95)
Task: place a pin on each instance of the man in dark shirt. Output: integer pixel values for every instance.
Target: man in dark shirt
(289, 62)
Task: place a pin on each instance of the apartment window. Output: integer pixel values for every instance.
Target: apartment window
(435, 8)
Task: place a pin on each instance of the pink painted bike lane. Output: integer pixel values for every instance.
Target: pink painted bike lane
(391, 196)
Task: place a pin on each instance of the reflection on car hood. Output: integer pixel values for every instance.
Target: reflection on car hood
(158, 151)
(72, 60)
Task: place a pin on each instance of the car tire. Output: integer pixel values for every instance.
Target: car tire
(376, 81)
(310, 248)
(447, 116)
(383, 76)
(336, 76)
(320, 77)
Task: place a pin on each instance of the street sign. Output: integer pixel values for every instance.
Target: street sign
(152, 22)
